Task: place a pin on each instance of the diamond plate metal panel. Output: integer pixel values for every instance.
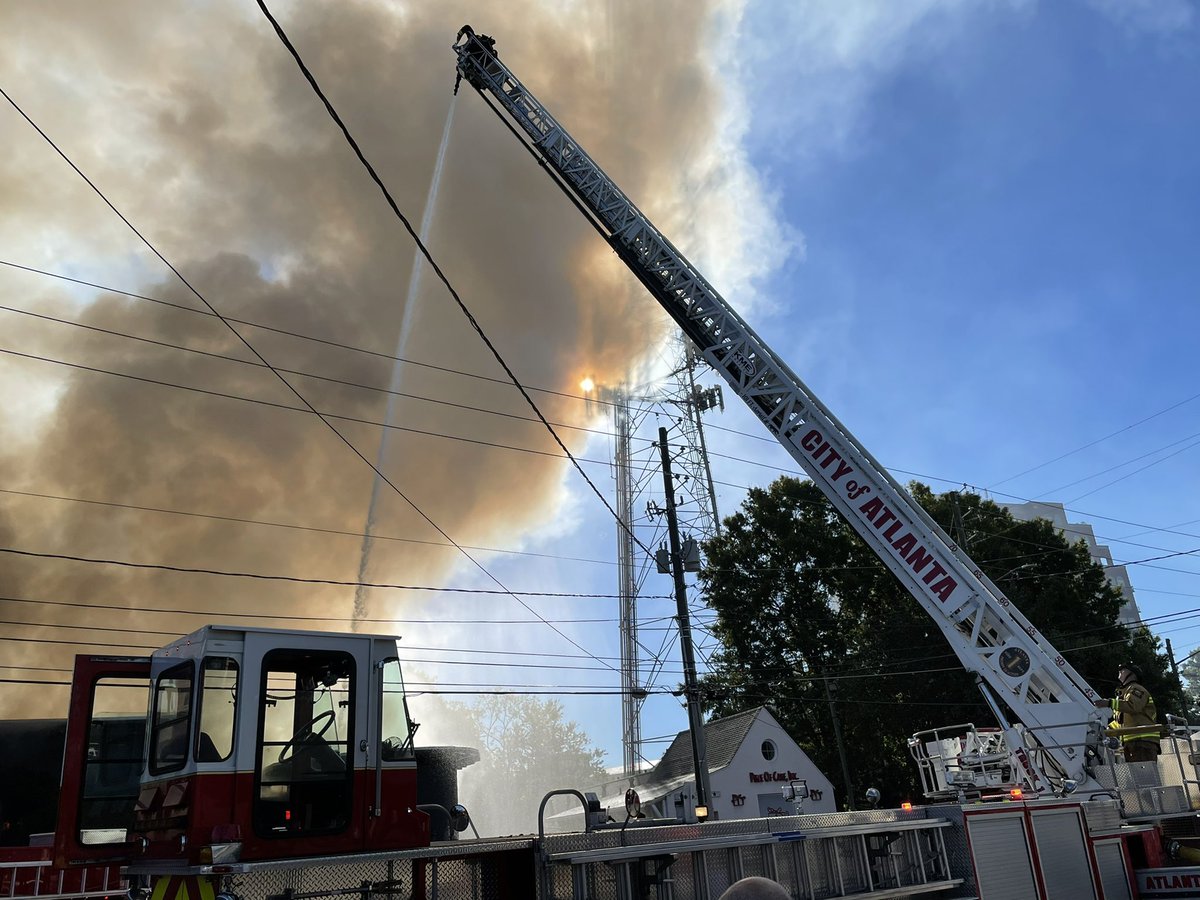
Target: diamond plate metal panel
(787, 868)
(1139, 788)
(1175, 769)
(751, 859)
(1103, 816)
(851, 857)
(954, 839)
(682, 882)
(309, 879)
(720, 875)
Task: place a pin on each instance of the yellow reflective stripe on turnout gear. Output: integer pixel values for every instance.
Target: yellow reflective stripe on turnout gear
(1147, 735)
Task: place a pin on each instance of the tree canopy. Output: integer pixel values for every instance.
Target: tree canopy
(810, 620)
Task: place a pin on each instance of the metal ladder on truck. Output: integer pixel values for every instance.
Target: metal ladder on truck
(866, 854)
(1058, 746)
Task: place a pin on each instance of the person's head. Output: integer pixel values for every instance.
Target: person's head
(1128, 672)
(755, 888)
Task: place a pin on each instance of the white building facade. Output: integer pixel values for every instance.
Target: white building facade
(1056, 514)
(751, 760)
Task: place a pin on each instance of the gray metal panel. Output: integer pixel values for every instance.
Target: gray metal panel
(1063, 854)
(1114, 879)
(1103, 816)
(1145, 789)
(1000, 851)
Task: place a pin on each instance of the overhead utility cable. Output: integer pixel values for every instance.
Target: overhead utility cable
(600, 401)
(470, 317)
(325, 378)
(296, 334)
(307, 408)
(258, 615)
(263, 576)
(293, 526)
(353, 449)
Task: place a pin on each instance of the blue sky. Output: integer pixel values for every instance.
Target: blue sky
(999, 228)
(970, 227)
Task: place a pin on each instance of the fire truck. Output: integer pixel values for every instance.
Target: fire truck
(283, 765)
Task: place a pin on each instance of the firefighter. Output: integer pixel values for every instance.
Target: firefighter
(1135, 716)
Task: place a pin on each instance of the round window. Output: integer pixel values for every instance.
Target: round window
(768, 750)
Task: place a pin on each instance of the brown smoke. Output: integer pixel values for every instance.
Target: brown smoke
(199, 126)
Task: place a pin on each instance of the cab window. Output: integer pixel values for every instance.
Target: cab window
(398, 728)
(171, 719)
(305, 766)
(218, 698)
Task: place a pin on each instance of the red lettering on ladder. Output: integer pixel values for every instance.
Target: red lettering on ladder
(905, 542)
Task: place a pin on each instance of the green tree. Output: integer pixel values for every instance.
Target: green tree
(804, 605)
(1189, 671)
(527, 748)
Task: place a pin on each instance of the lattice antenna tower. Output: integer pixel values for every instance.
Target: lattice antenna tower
(680, 402)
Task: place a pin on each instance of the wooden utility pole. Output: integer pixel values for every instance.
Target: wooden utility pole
(691, 684)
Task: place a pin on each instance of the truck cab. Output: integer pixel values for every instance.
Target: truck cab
(257, 743)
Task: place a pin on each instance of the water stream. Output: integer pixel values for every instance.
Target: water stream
(406, 325)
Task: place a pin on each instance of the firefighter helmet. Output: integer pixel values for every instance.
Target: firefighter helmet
(1131, 667)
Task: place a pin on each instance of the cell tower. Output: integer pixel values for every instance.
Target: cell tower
(679, 403)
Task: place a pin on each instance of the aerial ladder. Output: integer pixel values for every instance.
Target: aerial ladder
(1055, 732)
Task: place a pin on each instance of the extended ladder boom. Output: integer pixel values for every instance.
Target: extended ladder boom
(990, 636)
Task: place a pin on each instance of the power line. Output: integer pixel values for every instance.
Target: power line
(441, 620)
(1113, 468)
(297, 580)
(295, 527)
(1046, 549)
(871, 670)
(758, 463)
(1097, 440)
(249, 323)
(306, 408)
(391, 202)
(1137, 470)
(743, 434)
(304, 374)
(379, 473)
(174, 635)
(298, 335)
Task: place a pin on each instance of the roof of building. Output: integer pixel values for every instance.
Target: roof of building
(722, 737)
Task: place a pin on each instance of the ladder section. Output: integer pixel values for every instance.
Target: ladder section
(872, 860)
(989, 635)
(26, 874)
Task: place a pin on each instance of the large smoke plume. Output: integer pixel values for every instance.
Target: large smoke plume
(196, 123)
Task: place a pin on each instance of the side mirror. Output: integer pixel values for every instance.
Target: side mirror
(460, 819)
(633, 805)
